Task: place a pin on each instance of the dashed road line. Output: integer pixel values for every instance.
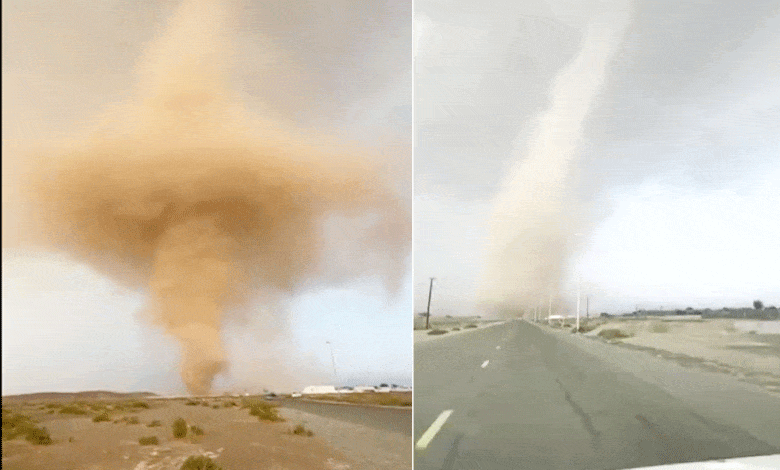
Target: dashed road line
(484, 364)
(428, 436)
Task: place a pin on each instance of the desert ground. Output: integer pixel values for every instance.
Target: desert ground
(746, 349)
(235, 433)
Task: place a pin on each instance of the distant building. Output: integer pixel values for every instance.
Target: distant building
(319, 389)
(364, 388)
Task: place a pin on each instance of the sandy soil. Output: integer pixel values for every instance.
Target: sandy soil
(233, 438)
(721, 345)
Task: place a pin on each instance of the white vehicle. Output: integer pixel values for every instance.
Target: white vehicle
(296, 394)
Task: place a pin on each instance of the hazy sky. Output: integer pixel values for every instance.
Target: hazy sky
(341, 68)
(677, 167)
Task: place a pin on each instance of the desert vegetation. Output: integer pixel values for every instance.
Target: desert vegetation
(263, 410)
(179, 428)
(613, 333)
(148, 441)
(300, 430)
(199, 463)
(18, 425)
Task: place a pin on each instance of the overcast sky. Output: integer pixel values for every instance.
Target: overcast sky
(677, 166)
(341, 68)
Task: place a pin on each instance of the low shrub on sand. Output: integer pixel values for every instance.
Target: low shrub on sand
(300, 430)
(148, 441)
(102, 417)
(154, 424)
(179, 428)
(613, 333)
(38, 436)
(264, 411)
(199, 463)
(437, 332)
(73, 410)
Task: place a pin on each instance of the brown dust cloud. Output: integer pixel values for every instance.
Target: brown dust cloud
(182, 193)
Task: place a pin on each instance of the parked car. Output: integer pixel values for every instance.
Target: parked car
(296, 394)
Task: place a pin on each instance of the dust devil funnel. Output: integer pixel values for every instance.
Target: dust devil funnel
(182, 193)
(533, 219)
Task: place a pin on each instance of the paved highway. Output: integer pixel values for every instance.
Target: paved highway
(519, 396)
(398, 420)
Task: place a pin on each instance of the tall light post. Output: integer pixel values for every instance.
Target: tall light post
(579, 283)
(333, 360)
(428, 310)
(549, 312)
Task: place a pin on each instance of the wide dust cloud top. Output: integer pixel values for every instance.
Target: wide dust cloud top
(182, 193)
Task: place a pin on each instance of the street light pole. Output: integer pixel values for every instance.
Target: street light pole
(333, 360)
(549, 312)
(428, 310)
(579, 282)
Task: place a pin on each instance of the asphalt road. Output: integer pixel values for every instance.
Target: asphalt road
(398, 420)
(547, 400)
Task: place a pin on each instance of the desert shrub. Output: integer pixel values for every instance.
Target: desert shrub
(470, 326)
(456, 329)
(215, 406)
(50, 412)
(38, 436)
(52, 406)
(191, 403)
(613, 333)
(585, 328)
(73, 410)
(228, 404)
(132, 420)
(300, 430)
(154, 424)
(199, 462)
(101, 418)
(179, 428)
(139, 404)
(437, 332)
(204, 403)
(15, 425)
(196, 431)
(148, 441)
(659, 328)
(264, 412)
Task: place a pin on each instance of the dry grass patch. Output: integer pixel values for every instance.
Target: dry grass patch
(199, 463)
(179, 428)
(148, 441)
(265, 411)
(437, 332)
(613, 333)
(300, 430)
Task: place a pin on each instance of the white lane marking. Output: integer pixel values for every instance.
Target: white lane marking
(484, 364)
(431, 432)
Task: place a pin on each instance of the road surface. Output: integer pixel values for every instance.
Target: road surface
(398, 420)
(521, 396)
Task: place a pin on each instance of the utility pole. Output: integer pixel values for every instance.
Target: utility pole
(587, 307)
(428, 310)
